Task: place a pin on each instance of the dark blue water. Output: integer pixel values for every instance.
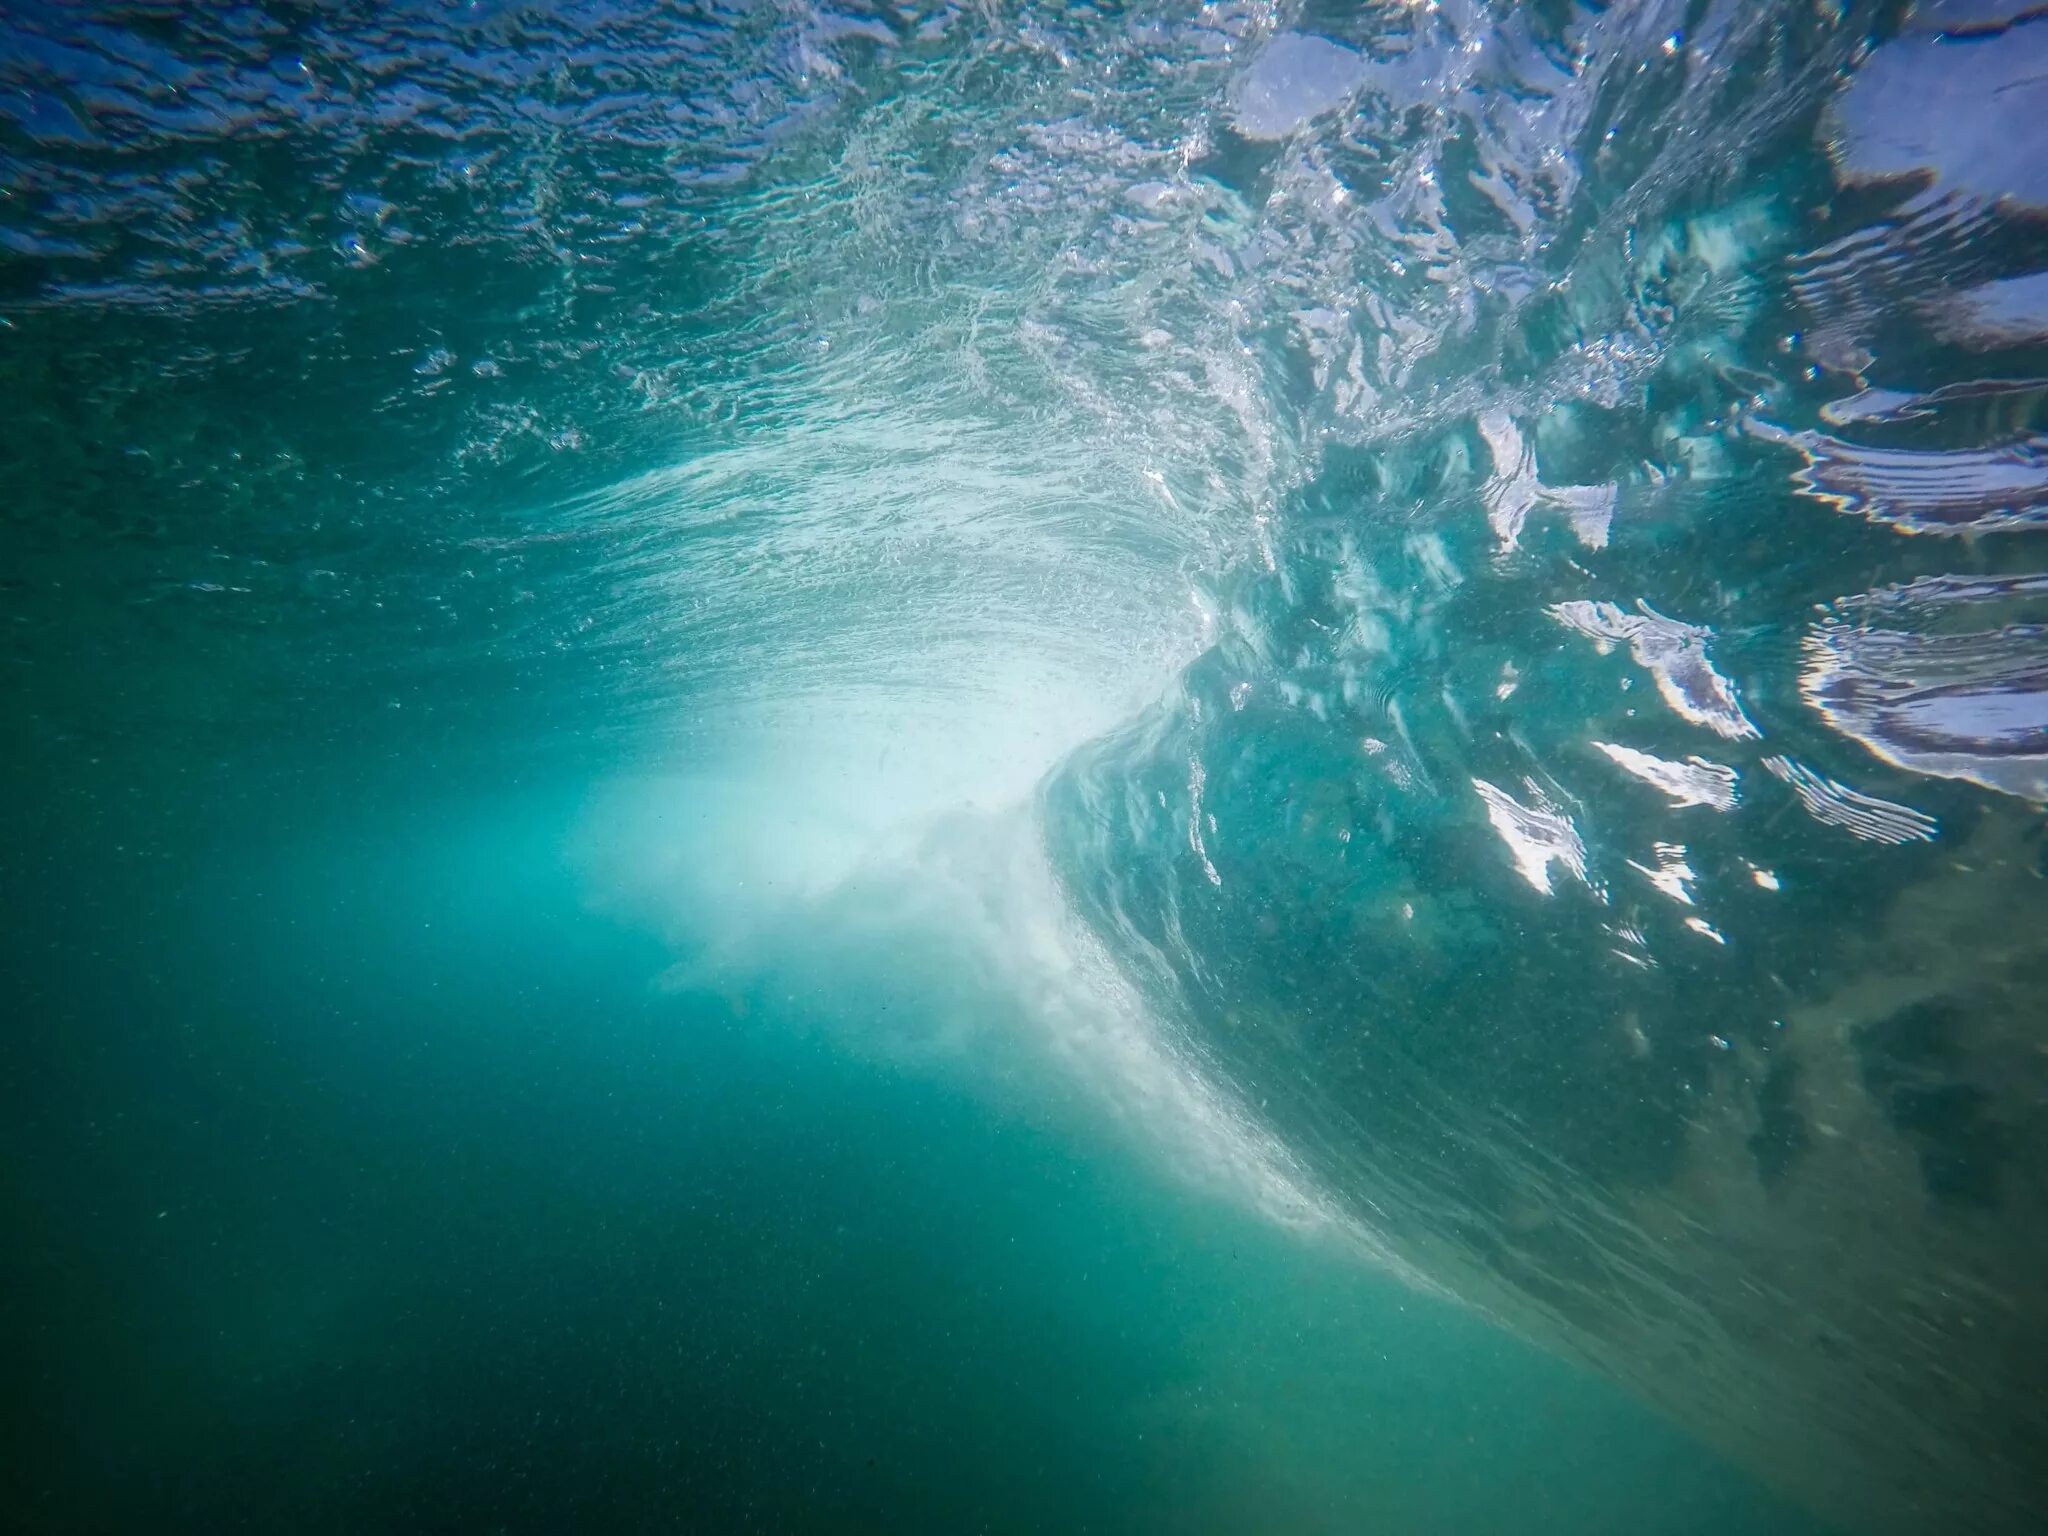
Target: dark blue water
(1080, 767)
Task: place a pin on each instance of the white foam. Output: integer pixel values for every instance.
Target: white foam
(1295, 78)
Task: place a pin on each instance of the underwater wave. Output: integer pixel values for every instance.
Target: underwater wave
(1727, 1080)
(1505, 540)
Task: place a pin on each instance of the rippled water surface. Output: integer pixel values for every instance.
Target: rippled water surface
(1127, 768)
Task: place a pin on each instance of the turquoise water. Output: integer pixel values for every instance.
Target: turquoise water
(372, 1182)
(1146, 768)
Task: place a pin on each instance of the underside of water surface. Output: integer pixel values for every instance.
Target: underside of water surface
(1448, 602)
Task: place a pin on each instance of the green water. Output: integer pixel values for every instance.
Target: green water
(1027, 768)
(362, 1178)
